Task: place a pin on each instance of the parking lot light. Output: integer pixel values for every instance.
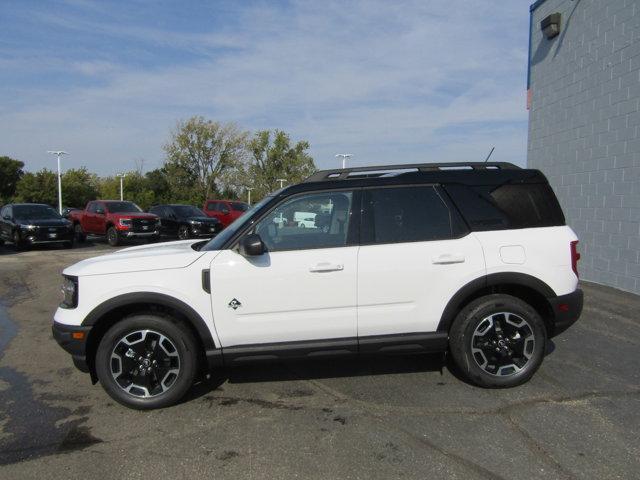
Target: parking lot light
(344, 157)
(121, 176)
(58, 153)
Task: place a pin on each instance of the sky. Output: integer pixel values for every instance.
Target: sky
(388, 81)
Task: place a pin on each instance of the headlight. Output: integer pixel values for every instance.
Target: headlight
(125, 222)
(69, 292)
(28, 227)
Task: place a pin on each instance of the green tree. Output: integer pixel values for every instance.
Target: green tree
(135, 189)
(157, 181)
(79, 187)
(200, 151)
(273, 158)
(39, 187)
(10, 173)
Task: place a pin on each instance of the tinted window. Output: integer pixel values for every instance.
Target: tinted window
(34, 212)
(187, 211)
(6, 212)
(498, 207)
(91, 208)
(212, 206)
(123, 207)
(406, 214)
(157, 211)
(314, 220)
(239, 206)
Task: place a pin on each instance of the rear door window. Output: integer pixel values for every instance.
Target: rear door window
(405, 214)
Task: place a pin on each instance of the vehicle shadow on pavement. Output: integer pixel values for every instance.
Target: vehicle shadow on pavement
(319, 369)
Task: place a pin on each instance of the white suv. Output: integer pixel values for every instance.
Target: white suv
(475, 259)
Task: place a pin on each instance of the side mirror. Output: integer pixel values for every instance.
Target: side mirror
(100, 211)
(7, 217)
(225, 211)
(252, 245)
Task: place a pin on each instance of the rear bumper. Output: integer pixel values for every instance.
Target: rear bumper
(566, 310)
(73, 344)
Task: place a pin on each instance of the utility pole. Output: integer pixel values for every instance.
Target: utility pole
(121, 176)
(58, 153)
(249, 190)
(281, 180)
(344, 157)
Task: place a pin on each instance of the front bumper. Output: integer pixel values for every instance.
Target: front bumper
(73, 339)
(566, 310)
(130, 234)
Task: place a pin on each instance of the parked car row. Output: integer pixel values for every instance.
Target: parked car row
(26, 224)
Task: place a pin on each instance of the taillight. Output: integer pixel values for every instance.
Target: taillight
(575, 256)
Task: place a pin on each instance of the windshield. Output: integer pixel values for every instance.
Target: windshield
(123, 207)
(219, 240)
(239, 206)
(34, 212)
(187, 211)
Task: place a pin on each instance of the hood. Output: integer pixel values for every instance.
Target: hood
(138, 259)
(48, 222)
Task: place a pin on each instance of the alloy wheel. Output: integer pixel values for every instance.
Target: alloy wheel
(502, 344)
(145, 363)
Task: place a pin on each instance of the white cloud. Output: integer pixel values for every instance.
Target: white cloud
(390, 82)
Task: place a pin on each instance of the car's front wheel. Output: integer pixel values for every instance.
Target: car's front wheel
(498, 341)
(183, 232)
(113, 237)
(147, 361)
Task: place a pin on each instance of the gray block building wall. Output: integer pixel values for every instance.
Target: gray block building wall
(584, 128)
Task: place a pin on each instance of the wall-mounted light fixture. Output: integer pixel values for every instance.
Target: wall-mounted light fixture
(550, 26)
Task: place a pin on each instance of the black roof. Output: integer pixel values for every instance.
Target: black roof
(494, 173)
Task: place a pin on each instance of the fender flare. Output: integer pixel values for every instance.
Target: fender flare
(191, 315)
(493, 279)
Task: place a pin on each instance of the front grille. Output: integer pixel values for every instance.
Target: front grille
(141, 225)
(48, 233)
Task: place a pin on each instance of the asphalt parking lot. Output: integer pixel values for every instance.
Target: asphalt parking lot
(397, 417)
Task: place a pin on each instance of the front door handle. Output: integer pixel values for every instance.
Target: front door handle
(447, 258)
(326, 267)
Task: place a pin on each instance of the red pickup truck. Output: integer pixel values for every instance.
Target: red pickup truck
(226, 211)
(117, 220)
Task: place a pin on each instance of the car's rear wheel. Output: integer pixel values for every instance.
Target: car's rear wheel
(113, 237)
(498, 341)
(183, 232)
(147, 361)
(80, 236)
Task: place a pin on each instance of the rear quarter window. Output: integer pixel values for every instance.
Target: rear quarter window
(499, 207)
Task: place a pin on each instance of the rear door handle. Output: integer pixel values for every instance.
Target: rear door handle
(326, 267)
(447, 258)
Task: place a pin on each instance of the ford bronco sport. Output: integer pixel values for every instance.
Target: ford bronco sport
(474, 259)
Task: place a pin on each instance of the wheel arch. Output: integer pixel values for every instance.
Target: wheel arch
(107, 314)
(520, 285)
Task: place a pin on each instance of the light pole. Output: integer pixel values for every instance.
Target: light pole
(249, 190)
(121, 176)
(344, 157)
(58, 153)
(281, 180)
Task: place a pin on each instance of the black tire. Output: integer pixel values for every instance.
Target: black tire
(179, 337)
(489, 350)
(184, 233)
(1, 242)
(113, 237)
(79, 234)
(18, 243)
